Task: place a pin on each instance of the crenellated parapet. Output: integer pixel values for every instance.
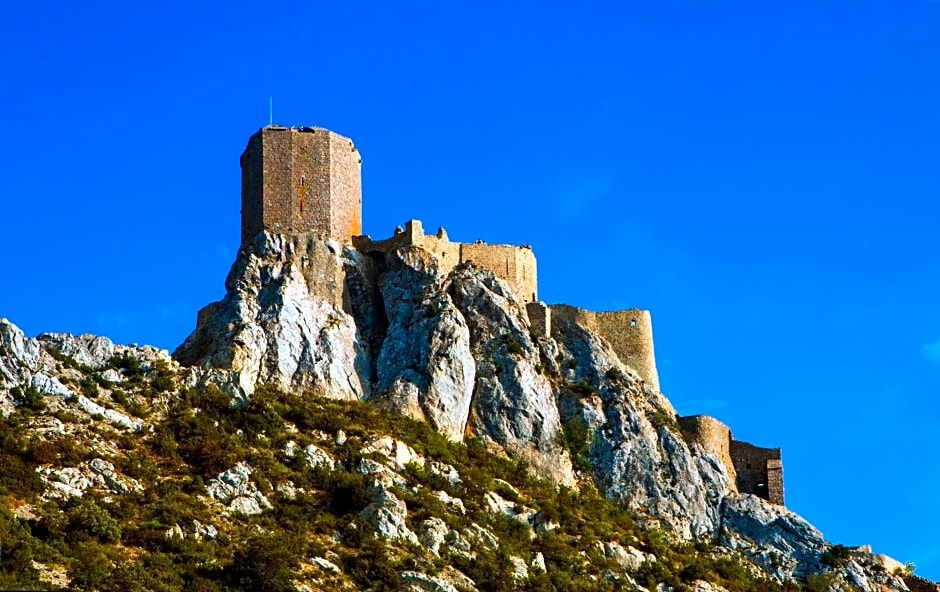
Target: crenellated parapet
(513, 264)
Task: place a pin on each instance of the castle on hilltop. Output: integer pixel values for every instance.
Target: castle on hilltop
(306, 182)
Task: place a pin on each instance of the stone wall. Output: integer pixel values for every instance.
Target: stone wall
(759, 470)
(714, 437)
(515, 265)
(303, 180)
(345, 188)
(628, 332)
(540, 318)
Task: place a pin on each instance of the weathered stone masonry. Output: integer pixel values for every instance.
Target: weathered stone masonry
(753, 469)
(514, 265)
(297, 181)
(305, 183)
(760, 470)
(628, 332)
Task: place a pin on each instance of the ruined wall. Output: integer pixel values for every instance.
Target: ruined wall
(714, 437)
(540, 318)
(515, 265)
(628, 332)
(446, 252)
(303, 180)
(760, 470)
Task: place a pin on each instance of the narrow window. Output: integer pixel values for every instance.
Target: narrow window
(633, 322)
(303, 180)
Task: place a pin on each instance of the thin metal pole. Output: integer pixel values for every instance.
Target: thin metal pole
(271, 110)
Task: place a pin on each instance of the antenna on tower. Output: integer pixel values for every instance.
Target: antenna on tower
(271, 110)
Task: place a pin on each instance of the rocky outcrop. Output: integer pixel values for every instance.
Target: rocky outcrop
(425, 368)
(456, 350)
(790, 548)
(235, 488)
(278, 325)
(634, 445)
(74, 481)
(49, 370)
(513, 401)
(453, 350)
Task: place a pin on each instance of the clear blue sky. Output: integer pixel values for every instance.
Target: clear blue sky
(763, 176)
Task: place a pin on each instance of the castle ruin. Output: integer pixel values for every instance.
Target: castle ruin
(306, 183)
(752, 469)
(512, 264)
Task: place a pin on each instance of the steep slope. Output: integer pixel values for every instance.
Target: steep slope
(91, 420)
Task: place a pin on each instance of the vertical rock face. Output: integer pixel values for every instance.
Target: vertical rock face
(513, 402)
(635, 446)
(272, 328)
(425, 368)
(456, 349)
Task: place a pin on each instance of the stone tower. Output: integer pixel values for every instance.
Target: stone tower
(304, 180)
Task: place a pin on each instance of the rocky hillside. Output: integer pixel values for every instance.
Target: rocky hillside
(345, 422)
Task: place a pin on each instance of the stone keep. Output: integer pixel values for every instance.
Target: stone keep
(301, 181)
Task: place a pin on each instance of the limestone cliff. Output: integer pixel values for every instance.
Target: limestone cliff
(455, 349)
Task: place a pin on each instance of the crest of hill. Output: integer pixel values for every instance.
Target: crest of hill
(306, 183)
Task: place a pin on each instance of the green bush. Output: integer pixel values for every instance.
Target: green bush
(512, 344)
(614, 373)
(29, 399)
(578, 439)
(127, 365)
(836, 556)
(87, 519)
(89, 387)
(662, 418)
(266, 563)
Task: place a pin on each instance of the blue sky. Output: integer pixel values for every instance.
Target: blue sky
(761, 176)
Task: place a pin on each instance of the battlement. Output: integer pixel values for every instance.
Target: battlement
(513, 264)
(628, 332)
(301, 181)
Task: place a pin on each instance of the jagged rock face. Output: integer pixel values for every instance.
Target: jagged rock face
(456, 350)
(513, 402)
(637, 455)
(425, 368)
(27, 363)
(771, 535)
(271, 328)
(788, 547)
(458, 353)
